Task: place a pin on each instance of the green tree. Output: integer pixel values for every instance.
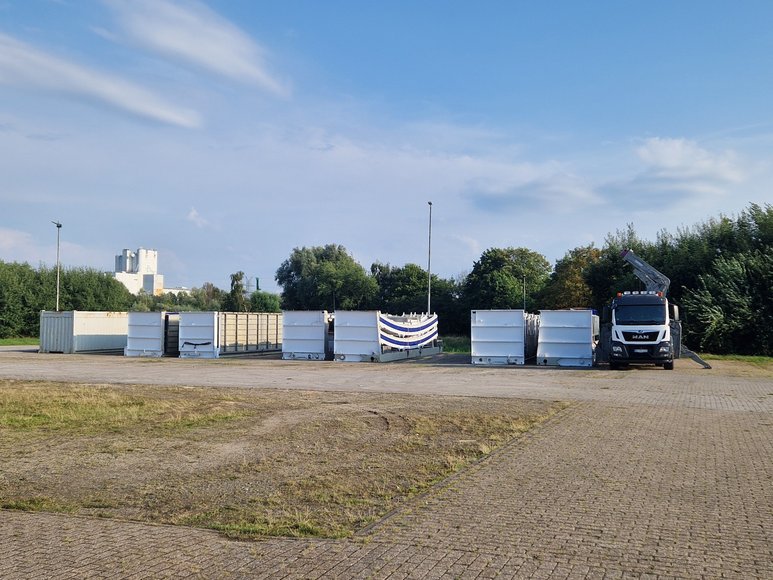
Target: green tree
(498, 278)
(265, 302)
(731, 310)
(325, 277)
(401, 289)
(235, 301)
(567, 287)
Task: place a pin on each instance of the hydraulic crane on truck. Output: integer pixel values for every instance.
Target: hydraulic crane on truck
(642, 327)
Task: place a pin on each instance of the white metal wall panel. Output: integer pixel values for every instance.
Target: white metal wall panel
(498, 337)
(566, 338)
(199, 335)
(356, 336)
(304, 334)
(146, 334)
(80, 331)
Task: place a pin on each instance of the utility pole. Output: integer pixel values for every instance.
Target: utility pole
(58, 229)
(429, 263)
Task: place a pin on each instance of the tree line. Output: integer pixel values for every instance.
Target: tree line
(721, 275)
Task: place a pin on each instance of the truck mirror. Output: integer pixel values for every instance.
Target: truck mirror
(674, 312)
(606, 315)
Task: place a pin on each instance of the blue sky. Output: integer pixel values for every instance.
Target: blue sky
(226, 133)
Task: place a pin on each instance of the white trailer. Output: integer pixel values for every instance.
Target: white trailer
(567, 337)
(503, 337)
(74, 331)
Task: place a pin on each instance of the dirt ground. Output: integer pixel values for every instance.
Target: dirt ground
(248, 462)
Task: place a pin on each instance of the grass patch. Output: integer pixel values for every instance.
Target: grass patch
(246, 462)
(760, 361)
(456, 344)
(25, 341)
(95, 409)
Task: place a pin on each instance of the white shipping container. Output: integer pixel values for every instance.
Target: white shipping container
(150, 334)
(500, 337)
(305, 334)
(199, 335)
(567, 337)
(75, 331)
(356, 336)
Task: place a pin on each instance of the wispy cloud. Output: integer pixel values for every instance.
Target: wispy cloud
(195, 218)
(24, 66)
(530, 186)
(677, 170)
(194, 34)
(683, 159)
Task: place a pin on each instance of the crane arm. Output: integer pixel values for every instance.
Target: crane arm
(653, 279)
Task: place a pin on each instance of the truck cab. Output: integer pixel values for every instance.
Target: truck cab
(641, 331)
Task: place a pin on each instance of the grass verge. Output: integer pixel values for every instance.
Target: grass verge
(28, 341)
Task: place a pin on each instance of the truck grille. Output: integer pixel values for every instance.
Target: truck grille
(640, 336)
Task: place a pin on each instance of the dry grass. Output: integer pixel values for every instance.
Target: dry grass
(247, 462)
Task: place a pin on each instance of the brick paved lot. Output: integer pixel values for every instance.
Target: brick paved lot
(639, 478)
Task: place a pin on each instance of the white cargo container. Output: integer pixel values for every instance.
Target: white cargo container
(376, 337)
(306, 335)
(152, 334)
(567, 337)
(74, 331)
(211, 334)
(502, 337)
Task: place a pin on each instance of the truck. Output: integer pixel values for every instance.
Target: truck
(642, 327)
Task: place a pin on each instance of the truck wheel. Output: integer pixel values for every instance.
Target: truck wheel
(669, 366)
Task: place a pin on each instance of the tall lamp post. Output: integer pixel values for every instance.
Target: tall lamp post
(429, 263)
(58, 229)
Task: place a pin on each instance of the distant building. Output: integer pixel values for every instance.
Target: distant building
(138, 271)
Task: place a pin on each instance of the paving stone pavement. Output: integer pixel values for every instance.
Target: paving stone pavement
(647, 479)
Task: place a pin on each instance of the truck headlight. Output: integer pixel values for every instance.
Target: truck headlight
(665, 347)
(617, 348)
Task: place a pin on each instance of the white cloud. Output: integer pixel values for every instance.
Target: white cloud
(685, 160)
(196, 35)
(196, 219)
(24, 66)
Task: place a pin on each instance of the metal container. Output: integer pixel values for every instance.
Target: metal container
(75, 331)
(153, 334)
(199, 335)
(567, 337)
(376, 337)
(503, 337)
(211, 334)
(305, 335)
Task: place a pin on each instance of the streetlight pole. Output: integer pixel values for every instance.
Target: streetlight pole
(429, 263)
(58, 229)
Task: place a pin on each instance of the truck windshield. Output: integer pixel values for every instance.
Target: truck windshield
(638, 314)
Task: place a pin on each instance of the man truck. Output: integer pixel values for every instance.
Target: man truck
(642, 327)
